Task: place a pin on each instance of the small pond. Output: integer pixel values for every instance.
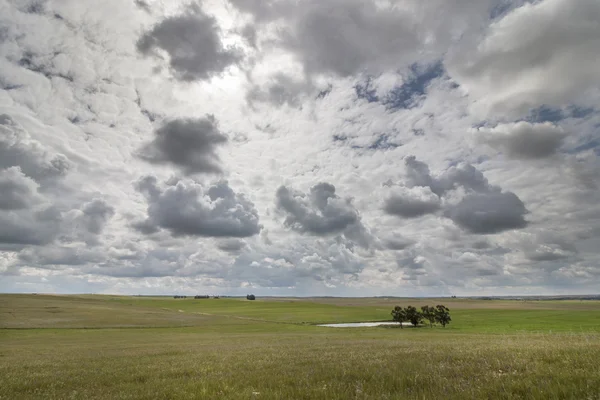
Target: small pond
(360, 324)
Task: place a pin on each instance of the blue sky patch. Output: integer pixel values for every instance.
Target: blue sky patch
(366, 91)
(415, 86)
(323, 93)
(405, 95)
(545, 114)
(383, 143)
(580, 112)
(501, 9)
(550, 114)
(591, 145)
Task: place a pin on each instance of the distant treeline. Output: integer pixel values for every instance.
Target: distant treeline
(439, 314)
(538, 298)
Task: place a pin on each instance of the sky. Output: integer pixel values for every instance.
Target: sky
(300, 147)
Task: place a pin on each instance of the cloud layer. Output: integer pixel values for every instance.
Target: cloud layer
(300, 148)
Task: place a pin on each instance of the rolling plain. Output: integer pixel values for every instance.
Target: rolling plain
(120, 347)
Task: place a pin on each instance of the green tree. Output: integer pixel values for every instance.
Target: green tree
(442, 315)
(413, 315)
(399, 315)
(429, 314)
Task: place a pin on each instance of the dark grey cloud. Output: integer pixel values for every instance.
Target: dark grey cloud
(358, 233)
(410, 208)
(545, 256)
(27, 227)
(148, 186)
(248, 32)
(418, 174)
(231, 245)
(397, 243)
(19, 231)
(465, 176)
(524, 140)
(481, 245)
(17, 149)
(96, 214)
(189, 209)
(189, 144)
(145, 227)
(192, 41)
(486, 213)
(16, 190)
(143, 5)
(337, 37)
(483, 209)
(321, 212)
(412, 204)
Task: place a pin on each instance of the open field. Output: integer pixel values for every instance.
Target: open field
(156, 347)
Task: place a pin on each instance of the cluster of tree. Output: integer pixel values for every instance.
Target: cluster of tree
(180, 297)
(201, 296)
(439, 314)
(250, 297)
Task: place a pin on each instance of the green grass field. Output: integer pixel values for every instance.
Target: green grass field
(110, 347)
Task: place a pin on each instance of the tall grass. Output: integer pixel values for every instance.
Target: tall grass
(225, 357)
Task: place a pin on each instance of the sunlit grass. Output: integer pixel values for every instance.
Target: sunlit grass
(485, 353)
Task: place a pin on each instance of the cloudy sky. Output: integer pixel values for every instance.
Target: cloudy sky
(300, 147)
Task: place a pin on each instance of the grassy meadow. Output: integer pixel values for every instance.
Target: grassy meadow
(112, 347)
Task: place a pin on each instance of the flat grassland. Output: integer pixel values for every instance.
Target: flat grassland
(112, 347)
